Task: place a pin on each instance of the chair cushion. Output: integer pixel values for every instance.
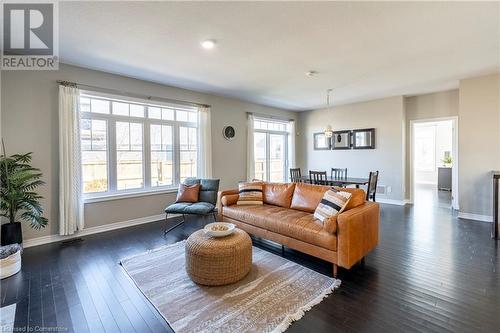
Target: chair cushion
(278, 194)
(188, 193)
(288, 222)
(200, 208)
(177, 208)
(208, 188)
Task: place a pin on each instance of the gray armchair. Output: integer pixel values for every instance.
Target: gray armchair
(206, 204)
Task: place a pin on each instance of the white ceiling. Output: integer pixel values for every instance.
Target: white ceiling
(363, 50)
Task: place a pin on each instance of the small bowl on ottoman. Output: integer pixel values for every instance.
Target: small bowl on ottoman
(219, 229)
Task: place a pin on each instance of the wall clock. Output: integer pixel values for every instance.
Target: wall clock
(228, 132)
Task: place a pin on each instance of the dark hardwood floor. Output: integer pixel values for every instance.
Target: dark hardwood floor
(430, 273)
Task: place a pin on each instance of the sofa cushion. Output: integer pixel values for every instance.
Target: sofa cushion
(278, 194)
(358, 197)
(306, 197)
(285, 221)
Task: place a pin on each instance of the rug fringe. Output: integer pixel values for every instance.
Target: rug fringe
(288, 320)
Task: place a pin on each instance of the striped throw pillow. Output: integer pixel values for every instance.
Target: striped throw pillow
(250, 193)
(333, 203)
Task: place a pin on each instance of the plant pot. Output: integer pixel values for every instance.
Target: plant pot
(12, 233)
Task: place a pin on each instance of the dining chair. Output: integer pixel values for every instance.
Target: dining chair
(339, 173)
(295, 175)
(372, 186)
(317, 177)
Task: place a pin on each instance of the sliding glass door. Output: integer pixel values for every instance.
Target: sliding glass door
(277, 157)
(270, 149)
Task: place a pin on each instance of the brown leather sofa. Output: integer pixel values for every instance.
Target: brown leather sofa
(286, 217)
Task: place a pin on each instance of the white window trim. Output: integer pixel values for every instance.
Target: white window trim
(127, 195)
(113, 193)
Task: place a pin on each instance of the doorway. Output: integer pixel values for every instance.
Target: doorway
(434, 176)
(271, 150)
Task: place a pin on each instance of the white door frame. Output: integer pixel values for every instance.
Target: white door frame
(454, 171)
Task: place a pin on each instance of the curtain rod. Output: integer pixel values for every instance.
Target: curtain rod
(118, 92)
(268, 116)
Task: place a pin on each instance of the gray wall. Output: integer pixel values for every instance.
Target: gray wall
(29, 101)
(479, 142)
(385, 115)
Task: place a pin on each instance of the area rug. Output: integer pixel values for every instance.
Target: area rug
(7, 317)
(275, 293)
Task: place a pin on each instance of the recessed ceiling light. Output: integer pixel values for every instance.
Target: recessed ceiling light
(208, 44)
(311, 73)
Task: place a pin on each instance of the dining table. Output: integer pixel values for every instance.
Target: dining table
(340, 181)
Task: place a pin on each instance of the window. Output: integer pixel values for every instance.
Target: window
(130, 145)
(271, 149)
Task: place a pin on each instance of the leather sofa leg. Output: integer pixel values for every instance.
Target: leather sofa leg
(335, 270)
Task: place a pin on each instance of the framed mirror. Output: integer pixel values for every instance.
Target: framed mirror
(363, 138)
(341, 140)
(321, 142)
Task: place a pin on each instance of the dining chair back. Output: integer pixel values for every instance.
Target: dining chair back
(372, 186)
(317, 177)
(295, 175)
(339, 173)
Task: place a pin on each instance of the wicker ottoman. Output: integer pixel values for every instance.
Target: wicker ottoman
(218, 261)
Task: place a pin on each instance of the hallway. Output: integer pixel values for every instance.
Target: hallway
(429, 196)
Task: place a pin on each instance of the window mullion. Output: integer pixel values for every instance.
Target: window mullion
(112, 152)
(176, 157)
(146, 157)
(285, 166)
(268, 157)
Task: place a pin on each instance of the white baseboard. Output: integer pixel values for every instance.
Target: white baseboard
(391, 202)
(475, 217)
(94, 230)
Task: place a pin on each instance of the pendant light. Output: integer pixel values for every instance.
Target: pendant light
(328, 130)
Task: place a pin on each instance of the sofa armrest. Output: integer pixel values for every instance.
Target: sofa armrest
(330, 224)
(228, 196)
(357, 233)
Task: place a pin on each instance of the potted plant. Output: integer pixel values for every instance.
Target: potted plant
(447, 161)
(18, 199)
